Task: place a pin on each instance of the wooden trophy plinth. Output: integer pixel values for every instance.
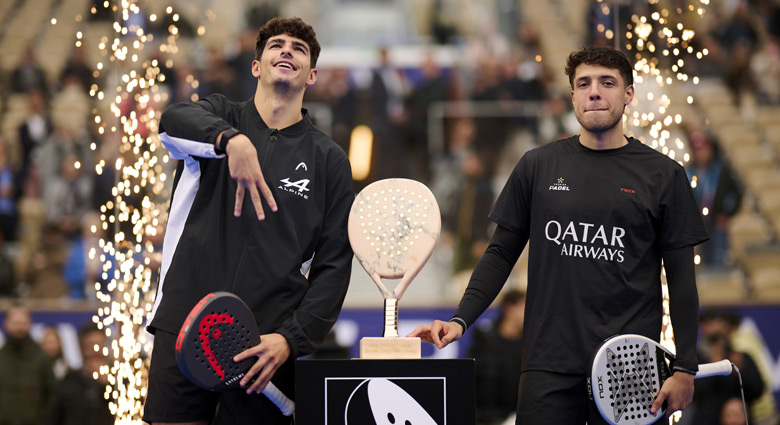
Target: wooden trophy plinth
(390, 348)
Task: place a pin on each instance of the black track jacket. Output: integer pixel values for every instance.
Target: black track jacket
(207, 249)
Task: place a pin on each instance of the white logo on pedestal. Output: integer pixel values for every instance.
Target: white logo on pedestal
(389, 404)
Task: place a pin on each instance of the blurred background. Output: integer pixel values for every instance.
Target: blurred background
(447, 92)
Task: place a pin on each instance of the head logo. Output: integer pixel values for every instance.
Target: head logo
(560, 185)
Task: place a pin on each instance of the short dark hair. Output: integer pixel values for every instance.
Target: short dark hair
(512, 297)
(294, 27)
(88, 328)
(732, 318)
(608, 57)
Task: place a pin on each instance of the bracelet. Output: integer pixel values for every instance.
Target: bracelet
(460, 321)
(684, 370)
(227, 135)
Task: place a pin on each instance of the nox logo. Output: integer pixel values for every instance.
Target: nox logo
(296, 187)
(632, 381)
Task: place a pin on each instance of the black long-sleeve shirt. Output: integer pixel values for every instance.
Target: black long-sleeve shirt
(599, 225)
(292, 268)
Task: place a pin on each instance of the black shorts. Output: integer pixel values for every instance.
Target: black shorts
(171, 397)
(556, 399)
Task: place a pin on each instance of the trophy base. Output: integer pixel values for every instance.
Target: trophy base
(390, 348)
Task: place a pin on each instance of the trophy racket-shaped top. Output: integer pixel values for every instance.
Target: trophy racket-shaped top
(393, 228)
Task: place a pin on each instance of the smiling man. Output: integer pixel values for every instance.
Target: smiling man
(289, 259)
(600, 211)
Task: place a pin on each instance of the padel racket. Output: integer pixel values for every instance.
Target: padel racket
(393, 227)
(627, 374)
(220, 326)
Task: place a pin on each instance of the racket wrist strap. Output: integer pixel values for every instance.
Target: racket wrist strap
(461, 322)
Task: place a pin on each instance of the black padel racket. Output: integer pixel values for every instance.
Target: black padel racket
(220, 326)
(627, 374)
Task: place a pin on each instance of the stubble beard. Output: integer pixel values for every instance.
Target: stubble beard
(600, 126)
(283, 88)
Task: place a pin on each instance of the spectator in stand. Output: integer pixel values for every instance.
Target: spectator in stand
(69, 141)
(715, 189)
(738, 36)
(387, 92)
(733, 412)
(8, 284)
(475, 197)
(76, 71)
(51, 344)
(433, 87)
(27, 382)
(714, 63)
(8, 186)
(79, 399)
(738, 27)
(68, 196)
(487, 79)
(711, 394)
(246, 54)
(447, 175)
(765, 66)
(29, 76)
(45, 273)
(520, 78)
(219, 77)
(335, 88)
(82, 270)
(33, 134)
(496, 350)
(739, 79)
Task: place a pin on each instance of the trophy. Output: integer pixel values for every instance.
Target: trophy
(393, 228)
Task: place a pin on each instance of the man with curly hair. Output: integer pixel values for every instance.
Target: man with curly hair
(599, 211)
(289, 259)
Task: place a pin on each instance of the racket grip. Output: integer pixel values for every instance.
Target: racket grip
(281, 401)
(722, 367)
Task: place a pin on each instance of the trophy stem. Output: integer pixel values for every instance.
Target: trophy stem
(390, 345)
(391, 318)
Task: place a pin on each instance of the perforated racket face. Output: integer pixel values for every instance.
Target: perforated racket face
(627, 374)
(218, 328)
(393, 227)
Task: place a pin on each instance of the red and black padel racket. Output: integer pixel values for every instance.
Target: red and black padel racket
(220, 326)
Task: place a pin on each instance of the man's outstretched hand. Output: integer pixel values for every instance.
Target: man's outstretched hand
(245, 170)
(439, 333)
